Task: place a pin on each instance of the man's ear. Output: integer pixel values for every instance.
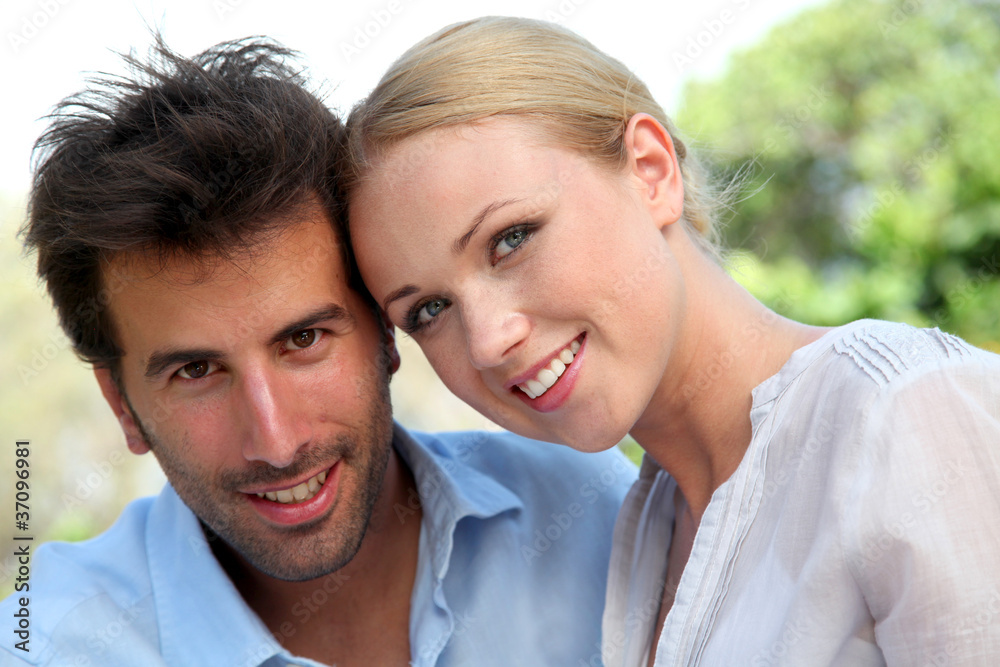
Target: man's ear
(133, 437)
(653, 163)
(390, 341)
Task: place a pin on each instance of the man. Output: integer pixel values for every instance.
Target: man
(187, 225)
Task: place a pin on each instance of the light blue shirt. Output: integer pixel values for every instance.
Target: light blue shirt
(512, 570)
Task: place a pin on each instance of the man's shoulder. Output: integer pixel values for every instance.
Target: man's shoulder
(527, 466)
(75, 589)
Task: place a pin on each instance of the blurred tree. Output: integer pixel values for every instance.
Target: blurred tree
(874, 127)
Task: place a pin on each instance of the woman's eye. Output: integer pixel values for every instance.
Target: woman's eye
(303, 339)
(196, 370)
(509, 241)
(430, 310)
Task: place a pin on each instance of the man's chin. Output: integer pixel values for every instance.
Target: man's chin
(307, 568)
(300, 555)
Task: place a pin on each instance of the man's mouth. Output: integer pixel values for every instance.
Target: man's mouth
(299, 493)
(548, 376)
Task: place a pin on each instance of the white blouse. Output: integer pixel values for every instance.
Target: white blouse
(862, 526)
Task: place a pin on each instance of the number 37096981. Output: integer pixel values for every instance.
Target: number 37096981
(22, 473)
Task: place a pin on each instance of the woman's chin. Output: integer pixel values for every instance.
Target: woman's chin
(579, 437)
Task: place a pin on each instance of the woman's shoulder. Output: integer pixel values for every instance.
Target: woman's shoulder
(868, 359)
(872, 387)
(890, 352)
(889, 393)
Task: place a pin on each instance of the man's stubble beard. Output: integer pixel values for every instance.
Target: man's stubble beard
(298, 553)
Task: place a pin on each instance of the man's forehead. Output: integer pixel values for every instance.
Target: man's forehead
(185, 268)
(304, 260)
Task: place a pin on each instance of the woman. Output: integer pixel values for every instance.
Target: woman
(524, 209)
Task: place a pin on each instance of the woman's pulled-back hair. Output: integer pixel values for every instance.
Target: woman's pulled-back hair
(495, 66)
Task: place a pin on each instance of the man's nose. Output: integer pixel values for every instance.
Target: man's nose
(493, 328)
(277, 422)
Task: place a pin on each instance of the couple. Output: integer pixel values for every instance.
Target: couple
(519, 205)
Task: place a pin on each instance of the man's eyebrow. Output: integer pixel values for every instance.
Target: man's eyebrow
(160, 360)
(462, 242)
(332, 311)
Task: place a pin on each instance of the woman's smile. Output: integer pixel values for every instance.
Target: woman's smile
(552, 386)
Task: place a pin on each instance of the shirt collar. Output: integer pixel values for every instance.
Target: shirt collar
(449, 488)
(203, 620)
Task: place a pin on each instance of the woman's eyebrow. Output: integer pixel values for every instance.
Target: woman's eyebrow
(489, 209)
(401, 293)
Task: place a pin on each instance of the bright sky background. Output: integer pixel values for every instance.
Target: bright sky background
(49, 46)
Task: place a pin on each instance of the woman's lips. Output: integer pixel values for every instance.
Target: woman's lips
(552, 384)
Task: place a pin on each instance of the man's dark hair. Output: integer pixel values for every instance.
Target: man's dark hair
(198, 156)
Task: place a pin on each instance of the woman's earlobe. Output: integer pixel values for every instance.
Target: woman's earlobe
(653, 161)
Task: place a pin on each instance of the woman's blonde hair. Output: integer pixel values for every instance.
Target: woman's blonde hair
(495, 66)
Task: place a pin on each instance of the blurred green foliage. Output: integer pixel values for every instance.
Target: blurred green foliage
(872, 127)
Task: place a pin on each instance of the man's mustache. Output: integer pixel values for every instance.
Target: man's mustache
(259, 473)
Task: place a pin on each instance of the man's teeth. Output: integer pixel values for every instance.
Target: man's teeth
(548, 375)
(299, 493)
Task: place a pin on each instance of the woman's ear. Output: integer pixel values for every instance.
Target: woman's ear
(654, 166)
(133, 437)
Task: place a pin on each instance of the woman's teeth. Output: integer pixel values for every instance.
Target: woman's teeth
(299, 493)
(548, 375)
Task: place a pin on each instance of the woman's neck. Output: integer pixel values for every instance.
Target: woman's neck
(697, 424)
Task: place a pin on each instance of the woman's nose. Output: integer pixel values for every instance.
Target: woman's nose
(493, 329)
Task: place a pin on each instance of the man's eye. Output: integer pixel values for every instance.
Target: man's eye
(303, 339)
(196, 370)
(430, 310)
